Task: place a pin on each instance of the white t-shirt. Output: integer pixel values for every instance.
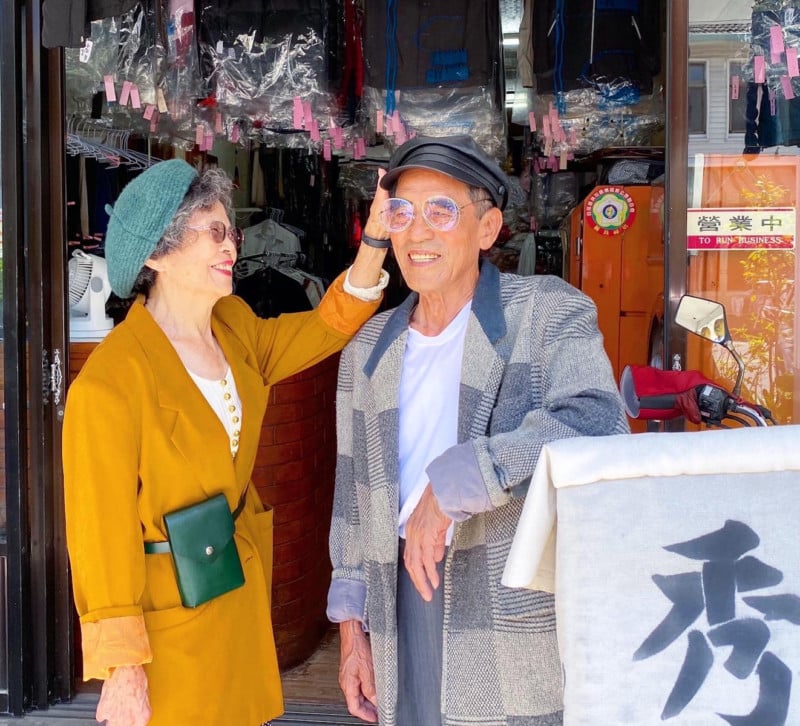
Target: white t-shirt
(429, 391)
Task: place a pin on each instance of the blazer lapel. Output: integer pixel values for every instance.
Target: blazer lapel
(193, 426)
(482, 367)
(383, 369)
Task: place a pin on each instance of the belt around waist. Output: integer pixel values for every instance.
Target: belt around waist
(160, 548)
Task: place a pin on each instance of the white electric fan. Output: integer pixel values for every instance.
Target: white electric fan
(89, 289)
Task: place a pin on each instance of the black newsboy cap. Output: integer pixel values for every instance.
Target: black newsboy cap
(457, 156)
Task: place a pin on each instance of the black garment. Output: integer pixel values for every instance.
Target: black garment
(271, 293)
(451, 43)
(66, 22)
(227, 19)
(102, 186)
(247, 49)
(578, 42)
(764, 129)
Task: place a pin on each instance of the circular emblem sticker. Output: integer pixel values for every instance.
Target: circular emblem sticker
(610, 210)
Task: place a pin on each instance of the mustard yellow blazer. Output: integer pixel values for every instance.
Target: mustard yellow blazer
(141, 440)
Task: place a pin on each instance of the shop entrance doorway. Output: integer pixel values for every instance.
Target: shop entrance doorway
(35, 635)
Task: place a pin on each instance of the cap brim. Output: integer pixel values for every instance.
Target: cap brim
(451, 163)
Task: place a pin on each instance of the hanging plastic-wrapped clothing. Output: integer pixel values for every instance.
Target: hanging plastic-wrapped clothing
(773, 87)
(434, 68)
(267, 61)
(123, 57)
(67, 22)
(577, 43)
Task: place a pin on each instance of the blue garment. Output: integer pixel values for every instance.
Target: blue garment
(420, 626)
(577, 43)
(439, 43)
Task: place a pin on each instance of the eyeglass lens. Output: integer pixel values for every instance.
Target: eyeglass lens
(441, 213)
(219, 232)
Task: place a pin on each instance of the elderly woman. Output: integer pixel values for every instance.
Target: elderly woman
(164, 417)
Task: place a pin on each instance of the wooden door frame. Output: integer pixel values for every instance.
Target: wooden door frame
(38, 623)
(677, 174)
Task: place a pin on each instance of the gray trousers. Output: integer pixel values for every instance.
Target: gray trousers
(419, 651)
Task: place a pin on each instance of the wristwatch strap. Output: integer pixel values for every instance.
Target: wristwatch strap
(381, 244)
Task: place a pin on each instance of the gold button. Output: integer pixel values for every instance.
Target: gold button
(231, 408)
(235, 419)
(224, 382)
(236, 433)
(235, 442)
(209, 550)
(227, 396)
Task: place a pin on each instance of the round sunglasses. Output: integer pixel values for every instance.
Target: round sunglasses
(219, 233)
(439, 212)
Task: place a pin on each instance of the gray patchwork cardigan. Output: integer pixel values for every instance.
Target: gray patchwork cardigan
(534, 370)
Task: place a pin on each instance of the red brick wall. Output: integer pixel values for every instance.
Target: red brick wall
(294, 472)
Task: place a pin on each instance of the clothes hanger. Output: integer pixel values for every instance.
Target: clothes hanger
(250, 264)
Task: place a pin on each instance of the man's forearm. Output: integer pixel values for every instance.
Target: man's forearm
(352, 634)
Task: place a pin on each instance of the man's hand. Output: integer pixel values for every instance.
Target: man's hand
(124, 700)
(356, 674)
(373, 226)
(426, 532)
(366, 268)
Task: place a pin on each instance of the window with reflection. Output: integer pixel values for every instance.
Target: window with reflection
(737, 102)
(697, 98)
(744, 191)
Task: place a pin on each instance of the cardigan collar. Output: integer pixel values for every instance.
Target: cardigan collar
(486, 307)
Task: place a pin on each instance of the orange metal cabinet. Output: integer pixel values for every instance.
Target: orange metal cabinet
(616, 256)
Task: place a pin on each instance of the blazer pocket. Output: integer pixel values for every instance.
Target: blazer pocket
(531, 609)
(155, 620)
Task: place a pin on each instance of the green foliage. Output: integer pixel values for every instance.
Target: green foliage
(766, 336)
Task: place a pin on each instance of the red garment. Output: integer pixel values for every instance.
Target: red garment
(651, 393)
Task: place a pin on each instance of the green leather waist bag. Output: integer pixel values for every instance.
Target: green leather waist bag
(204, 552)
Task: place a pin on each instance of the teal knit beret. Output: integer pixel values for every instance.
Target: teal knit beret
(141, 215)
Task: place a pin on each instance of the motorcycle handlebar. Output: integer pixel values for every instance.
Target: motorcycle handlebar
(664, 403)
(650, 393)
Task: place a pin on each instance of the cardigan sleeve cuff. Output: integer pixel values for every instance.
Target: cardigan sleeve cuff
(346, 601)
(343, 312)
(457, 483)
(113, 642)
(367, 294)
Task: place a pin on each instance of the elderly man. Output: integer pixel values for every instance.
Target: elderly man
(443, 406)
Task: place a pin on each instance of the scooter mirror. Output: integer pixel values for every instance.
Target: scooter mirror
(705, 318)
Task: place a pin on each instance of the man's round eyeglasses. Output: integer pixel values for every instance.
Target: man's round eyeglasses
(439, 212)
(219, 232)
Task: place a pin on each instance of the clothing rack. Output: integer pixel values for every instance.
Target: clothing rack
(105, 144)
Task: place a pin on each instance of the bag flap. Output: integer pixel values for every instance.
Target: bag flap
(201, 531)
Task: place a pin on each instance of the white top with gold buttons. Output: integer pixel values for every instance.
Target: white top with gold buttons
(223, 397)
